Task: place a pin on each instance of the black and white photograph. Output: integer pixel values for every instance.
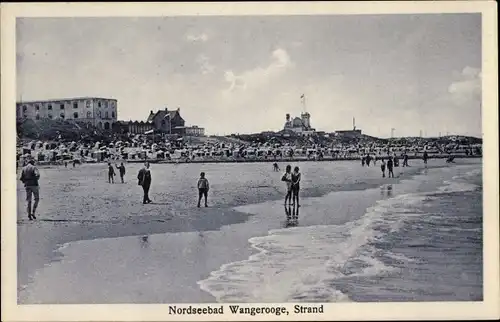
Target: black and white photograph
(210, 163)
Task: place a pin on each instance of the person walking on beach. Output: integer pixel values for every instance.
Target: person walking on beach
(390, 165)
(405, 160)
(368, 160)
(382, 167)
(121, 170)
(111, 173)
(276, 167)
(296, 186)
(30, 176)
(362, 161)
(396, 161)
(203, 187)
(425, 157)
(145, 179)
(287, 178)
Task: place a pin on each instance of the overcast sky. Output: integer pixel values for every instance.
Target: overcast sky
(243, 74)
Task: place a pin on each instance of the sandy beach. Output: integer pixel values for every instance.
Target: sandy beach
(102, 245)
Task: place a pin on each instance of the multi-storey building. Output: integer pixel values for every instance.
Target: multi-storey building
(194, 131)
(100, 112)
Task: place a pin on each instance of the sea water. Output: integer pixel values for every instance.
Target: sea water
(421, 243)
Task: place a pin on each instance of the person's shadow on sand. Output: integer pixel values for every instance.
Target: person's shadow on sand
(292, 216)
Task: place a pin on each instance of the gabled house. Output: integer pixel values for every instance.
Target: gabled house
(170, 122)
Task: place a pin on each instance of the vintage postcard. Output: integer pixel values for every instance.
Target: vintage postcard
(250, 161)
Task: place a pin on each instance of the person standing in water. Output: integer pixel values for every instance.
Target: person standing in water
(296, 186)
(145, 179)
(30, 176)
(111, 173)
(287, 178)
(382, 167)
(368, 160)
(390, 166)
(121, 170)
(425, 157)
(203, 187)
(405, 160)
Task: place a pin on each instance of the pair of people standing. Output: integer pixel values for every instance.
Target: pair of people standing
(390, 168)
(111, 172)
(292, 180)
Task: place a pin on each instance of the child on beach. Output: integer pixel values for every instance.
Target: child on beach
(111, 173)
(382, 167)
(144, 178)
(295, 185)
(203, 187)
(287, 178)
(121, 170)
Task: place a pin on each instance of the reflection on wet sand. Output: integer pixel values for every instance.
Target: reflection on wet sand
(292, 216)
(386, 191)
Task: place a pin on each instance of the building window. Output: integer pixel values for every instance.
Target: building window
(89, 114)
(106, 115)
(49, 107)
(37, 107)
(37, 117)
(75, 105)
(113, 114)
(61, 106)
(50, 116)
(24, 108)
(87, 103)
(99, 125)
(106, 125)
(99, 104)
(75, 115)
(105, 104)
(62, 115)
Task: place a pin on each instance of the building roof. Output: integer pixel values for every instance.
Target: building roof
(134, 123)
(162, 114)
(66, 99)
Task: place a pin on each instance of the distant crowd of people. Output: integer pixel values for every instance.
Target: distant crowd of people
(392, 161)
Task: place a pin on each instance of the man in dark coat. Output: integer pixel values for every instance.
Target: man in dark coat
(144, 178)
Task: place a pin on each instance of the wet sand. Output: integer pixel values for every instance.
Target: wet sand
(78, 204)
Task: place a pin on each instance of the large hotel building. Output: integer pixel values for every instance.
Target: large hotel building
(100, 112)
